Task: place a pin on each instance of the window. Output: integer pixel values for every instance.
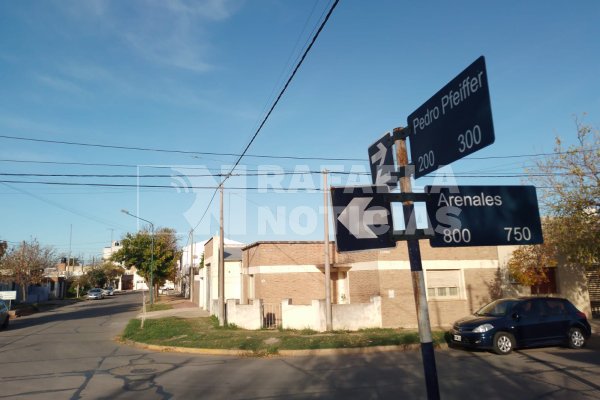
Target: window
(547, 287)
(443, 284)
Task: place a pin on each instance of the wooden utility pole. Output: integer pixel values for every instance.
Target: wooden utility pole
(328, 316)
(416, 268)
(222, 321)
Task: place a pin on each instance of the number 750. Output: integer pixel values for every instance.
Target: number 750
(517, 233)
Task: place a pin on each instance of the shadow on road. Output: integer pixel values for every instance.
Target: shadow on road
(81, 310)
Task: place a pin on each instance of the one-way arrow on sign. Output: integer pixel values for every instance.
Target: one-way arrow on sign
(363, 218)
(361, 221)
(381, 160)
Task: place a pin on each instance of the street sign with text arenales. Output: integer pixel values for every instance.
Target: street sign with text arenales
(454, 123)
(483, 215)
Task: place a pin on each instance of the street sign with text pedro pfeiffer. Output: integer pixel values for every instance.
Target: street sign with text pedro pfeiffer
(464, 216)
(454, 123)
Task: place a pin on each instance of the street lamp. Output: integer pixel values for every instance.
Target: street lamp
(151, 252)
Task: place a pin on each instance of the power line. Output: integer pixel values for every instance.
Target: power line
(124, 185)
(316, 35)
(62, 207)
(187, 152)
(510, 156)
(287, 84)
(274, 173)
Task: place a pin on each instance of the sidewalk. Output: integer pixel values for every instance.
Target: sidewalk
(182, 308)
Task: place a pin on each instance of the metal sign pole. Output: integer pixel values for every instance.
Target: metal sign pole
(416, 268)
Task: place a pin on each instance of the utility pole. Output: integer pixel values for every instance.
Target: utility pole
(328, 316)
(191, 271)
(416, 270)
(221, 265)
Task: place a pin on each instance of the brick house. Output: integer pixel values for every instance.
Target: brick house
(458, 280)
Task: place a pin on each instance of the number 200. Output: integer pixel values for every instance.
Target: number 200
(426, 161)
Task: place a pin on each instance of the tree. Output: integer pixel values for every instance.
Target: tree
(111, 271)
(568, 182)
(3, 247)
(25, 264)
(136, 252)
(528, 265)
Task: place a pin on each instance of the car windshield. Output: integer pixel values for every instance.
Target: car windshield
(498, 308)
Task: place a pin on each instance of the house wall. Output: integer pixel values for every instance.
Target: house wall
(208, 286)
(273, 285)
(195, 293)
(572, 284)
(294, 270)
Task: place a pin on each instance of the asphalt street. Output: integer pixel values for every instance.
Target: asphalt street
(70, 353)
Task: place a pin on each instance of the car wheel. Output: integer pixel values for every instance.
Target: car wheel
(576, 338)
(503, 343)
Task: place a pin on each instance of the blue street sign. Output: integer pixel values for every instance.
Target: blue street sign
(454, 123)
(483, 215)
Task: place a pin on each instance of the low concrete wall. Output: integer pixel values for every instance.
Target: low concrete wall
(352, 317)
(246, 316)
(214, 308)
(344, 316)
(302, 316)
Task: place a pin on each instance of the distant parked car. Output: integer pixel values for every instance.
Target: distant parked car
(109, 291)
(506, 324)
(4, 317)
(95, 294)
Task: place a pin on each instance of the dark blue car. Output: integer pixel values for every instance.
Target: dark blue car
(505, 324)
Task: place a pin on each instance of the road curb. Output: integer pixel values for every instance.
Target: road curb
(280, 353)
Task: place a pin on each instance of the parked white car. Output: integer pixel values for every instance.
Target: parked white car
(95, 294)
(109, 291)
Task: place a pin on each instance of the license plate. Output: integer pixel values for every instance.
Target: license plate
(457, 338)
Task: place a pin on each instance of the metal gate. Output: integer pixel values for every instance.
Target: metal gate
(271, 316)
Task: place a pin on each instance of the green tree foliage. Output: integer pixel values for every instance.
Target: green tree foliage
(136, 252)
(568, 183)
(24, 264)
(112, 272)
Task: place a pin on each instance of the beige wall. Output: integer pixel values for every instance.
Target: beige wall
(302, 287)
(294, 270)
(571, 283)
(286, 253)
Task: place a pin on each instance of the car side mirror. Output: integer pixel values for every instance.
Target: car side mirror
(516, 316)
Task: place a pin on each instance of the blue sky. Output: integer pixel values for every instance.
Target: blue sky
(200, 75)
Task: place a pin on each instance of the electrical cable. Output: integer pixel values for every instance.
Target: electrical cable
(188, 152)
(258, 130)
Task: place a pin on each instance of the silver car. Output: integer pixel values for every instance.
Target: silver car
(4, 317)
(95, 294)
(109, 291)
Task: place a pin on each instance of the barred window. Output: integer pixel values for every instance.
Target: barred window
(443, 284)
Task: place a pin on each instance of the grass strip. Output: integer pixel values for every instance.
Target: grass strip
(206, 333)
